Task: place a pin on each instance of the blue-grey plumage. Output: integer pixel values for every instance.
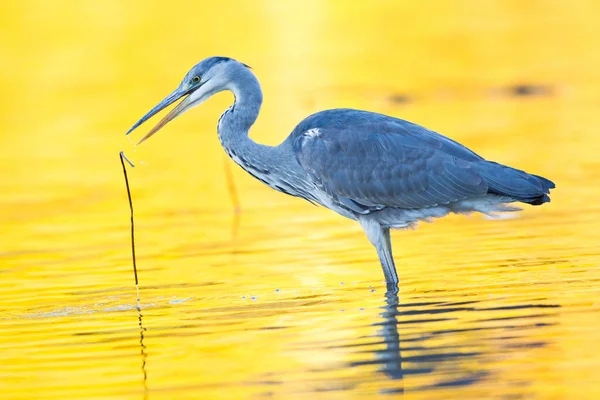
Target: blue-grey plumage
(379, 170)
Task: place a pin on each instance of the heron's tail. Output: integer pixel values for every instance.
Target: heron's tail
(515, 184)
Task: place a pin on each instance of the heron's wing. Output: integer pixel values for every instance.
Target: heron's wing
(370, 166)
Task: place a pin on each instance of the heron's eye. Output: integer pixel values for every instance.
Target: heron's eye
(196, 79)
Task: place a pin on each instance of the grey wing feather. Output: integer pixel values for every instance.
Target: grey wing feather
(369, 161)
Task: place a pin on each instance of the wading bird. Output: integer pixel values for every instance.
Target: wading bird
(382, 171)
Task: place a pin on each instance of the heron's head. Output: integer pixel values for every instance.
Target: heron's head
(206, 78)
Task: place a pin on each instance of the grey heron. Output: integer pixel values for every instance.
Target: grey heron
(381, 171)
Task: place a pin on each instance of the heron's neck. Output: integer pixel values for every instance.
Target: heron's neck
(236, 122)
(275, 166)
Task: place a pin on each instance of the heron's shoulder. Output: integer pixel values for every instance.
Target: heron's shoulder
(345, 124)
(347, 119)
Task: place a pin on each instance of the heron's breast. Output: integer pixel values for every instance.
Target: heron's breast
(272, 176)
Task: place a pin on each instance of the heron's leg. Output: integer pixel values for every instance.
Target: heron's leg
(380, 238)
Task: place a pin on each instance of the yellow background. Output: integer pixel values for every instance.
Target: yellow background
(255, 306)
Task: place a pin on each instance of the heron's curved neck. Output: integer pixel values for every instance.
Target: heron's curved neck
(275, 166)
(236, 121)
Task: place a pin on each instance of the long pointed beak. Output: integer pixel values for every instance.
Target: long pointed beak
(170, 99)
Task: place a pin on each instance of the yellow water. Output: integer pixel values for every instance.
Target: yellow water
(287, 300)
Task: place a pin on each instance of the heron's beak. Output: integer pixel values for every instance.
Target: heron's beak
(178, 110)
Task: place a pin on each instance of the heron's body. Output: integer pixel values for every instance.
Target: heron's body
(382, 171)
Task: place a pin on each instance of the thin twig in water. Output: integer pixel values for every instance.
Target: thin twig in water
(122, 157)
(139, 306)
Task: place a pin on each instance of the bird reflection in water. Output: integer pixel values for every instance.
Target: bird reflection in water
(449, 365)
(391, 356)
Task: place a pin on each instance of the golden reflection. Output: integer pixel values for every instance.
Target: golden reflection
(283, 299)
